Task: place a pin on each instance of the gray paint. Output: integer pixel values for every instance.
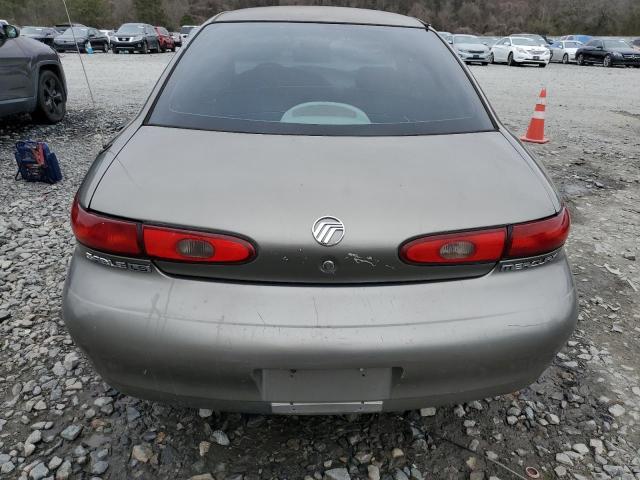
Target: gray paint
(272, 188)
(207, 343)
(21, 60)
(204, 343)
(317, 14)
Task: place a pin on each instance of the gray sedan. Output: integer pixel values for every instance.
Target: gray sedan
(317, 211)
(31, 78)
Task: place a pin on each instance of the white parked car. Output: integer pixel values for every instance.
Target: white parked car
(564, 51)
(186, 31)
(520, 50)
(110, 35)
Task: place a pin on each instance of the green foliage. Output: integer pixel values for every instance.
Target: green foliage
(187, 20)
(88, 12)
(150, 11)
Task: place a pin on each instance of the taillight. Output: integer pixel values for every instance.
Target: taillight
(123, 237)
(451, 248)
(174, 244)
(490, 245)
(104, 233)
(542, 236)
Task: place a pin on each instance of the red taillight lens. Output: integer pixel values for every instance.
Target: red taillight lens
(525, 240)
(181, 245)
(110, 235)
(104, 233)
(455, 248)
(542, 236)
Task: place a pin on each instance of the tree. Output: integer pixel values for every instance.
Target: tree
(150, 11)
(88, 12)
(554, 17)
(187, 20)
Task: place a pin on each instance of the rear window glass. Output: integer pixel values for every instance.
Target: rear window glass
(319, 79)
(70, 32)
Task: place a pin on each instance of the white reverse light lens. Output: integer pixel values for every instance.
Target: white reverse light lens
(195, 248)
(459, 249)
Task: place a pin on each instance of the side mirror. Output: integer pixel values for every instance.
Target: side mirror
(599, 47)
(10, 31)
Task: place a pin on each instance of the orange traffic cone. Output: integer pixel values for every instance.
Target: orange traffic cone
(535, 133)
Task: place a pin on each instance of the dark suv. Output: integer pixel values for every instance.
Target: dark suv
(136, 37)
(31, 78)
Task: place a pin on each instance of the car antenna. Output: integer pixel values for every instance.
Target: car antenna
(84, 71)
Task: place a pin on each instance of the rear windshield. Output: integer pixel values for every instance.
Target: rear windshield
(186, 30)
(319, 79)
(70, 32)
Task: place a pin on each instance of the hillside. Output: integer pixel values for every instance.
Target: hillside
(553, 17)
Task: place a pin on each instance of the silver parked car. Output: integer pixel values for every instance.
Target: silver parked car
(564, 51)
(317, 211)
(471, 49)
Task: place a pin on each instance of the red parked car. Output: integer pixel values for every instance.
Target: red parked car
(166, 40)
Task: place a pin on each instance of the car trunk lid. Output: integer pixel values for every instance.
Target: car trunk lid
(272, 189)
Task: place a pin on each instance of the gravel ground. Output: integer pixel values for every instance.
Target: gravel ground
(578, 421)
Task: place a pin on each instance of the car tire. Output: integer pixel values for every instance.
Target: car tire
(580, 60)
(484, 64)
(173, 49)
(542, 65)
(491, 58)
(510, 60)
(608, 61)
(51, 104)
(565, 59)
(145, 48)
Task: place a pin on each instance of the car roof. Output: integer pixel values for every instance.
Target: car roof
(317, 14)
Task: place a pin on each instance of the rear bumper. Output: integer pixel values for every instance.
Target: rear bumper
(69, 47)
(220, 344)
